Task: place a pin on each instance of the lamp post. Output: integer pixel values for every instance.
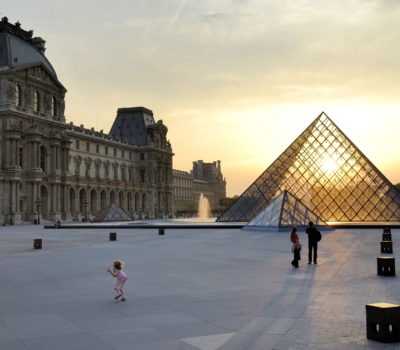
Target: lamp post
(38, 202)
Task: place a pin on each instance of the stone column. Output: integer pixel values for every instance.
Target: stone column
(67, 205)
(1, 201)
(8, 155)
(58, 156)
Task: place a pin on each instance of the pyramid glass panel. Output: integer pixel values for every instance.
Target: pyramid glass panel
(285, 210)
(327, 172)
(112, 213)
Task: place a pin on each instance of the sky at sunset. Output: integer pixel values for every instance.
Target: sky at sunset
(235, 80)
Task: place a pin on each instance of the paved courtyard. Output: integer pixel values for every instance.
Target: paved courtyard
(190, 289)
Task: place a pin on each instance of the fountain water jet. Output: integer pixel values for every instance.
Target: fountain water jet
(204, 209)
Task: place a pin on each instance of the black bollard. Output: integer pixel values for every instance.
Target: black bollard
(113, 236)
(386, 236)
(387, 247)
(161, 231)
(383, 322)
(386, 266)
(37, 243)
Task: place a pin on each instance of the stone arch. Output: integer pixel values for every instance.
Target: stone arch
(83, 202)
(144, 199)
(93, 202)
(72, 202)
(137, 203)
(18, 95)
(103, 200)
(112, 196)
(43, 155)
(130, 202)
(44, 198)
(121, 199)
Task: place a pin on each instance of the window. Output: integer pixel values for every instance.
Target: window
(122, 153)
(130, 155)
(53, 106)
(106, 151)
(21, 156)
(18, 95)
(97, 148)
(123, 174)
(142, 176)
(141, 156)
(43, 158)
(77, 144)
(36, 101)
(115, 152)
(87, 146)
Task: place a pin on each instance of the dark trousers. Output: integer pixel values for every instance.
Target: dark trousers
(296, 258)
(312, 246)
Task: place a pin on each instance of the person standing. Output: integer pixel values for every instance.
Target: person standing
(314, 236)
(296, 247)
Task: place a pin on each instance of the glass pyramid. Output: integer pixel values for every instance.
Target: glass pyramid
(285, 210)
(328, 173)
(113, 213)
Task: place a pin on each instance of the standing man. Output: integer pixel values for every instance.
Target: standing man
(314, 236)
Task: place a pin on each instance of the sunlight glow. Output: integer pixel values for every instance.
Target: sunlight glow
(329, 166)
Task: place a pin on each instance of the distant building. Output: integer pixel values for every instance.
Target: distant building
(52, 170)
(204, 178)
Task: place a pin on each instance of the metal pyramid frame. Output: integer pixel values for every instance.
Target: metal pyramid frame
(285, 210)
(326, 171)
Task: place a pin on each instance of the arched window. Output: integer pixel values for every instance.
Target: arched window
(36, 101)
(53, 106)
(43, 158)
(20, 156)
(18, 95)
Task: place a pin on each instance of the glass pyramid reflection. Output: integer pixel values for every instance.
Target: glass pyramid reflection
(113, 213)
(324, 169)
(285, 210)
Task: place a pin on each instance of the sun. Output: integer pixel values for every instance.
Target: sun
(329, 166)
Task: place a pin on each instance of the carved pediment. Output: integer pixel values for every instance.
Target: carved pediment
(39, 73)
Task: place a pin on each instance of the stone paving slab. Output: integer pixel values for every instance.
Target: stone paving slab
(189, 290)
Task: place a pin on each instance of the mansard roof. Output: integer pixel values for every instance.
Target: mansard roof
(131, 124)
(18, 47)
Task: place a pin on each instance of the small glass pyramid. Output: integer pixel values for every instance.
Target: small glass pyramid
(112, 213)
(285, 210)
(324, 169)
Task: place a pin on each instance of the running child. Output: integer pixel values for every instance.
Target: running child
(121, 279)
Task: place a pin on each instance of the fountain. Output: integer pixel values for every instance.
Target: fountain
(204, 210)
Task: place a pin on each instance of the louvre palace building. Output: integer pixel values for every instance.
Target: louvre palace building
(206, 178)
(53, 170)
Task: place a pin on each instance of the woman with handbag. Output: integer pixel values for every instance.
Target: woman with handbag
(296, 247)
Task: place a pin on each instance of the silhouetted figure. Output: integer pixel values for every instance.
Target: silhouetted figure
(314, 236)
(296, 247)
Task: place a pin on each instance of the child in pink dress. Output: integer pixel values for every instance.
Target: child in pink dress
(121, 279)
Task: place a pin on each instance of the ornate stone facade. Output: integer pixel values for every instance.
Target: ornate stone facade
(51, 170)
(204, 178)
